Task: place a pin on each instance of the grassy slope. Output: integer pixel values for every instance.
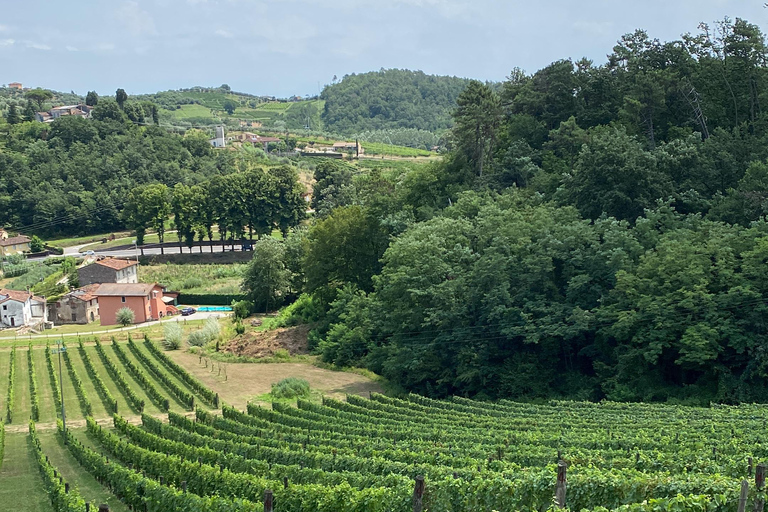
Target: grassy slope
(22, 409)
(44, 389)
(91, 490)
(20, 481)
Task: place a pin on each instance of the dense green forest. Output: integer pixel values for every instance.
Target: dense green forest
(390, 98)
(598, 230)
(74, 176)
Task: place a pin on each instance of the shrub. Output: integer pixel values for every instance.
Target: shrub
(239, 327)
(242, 308)
(208, 333)
(172, 334)
(292, 387)
(125, 316)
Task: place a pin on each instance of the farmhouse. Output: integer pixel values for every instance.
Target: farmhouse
(349, 147)
(109, 270)
(257, 139)
(146, 301)
(19, 309)
(15, 85)
(79, 306)
(80, 110)
(13, 244)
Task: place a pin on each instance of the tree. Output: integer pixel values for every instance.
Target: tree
(38, 95)
(121, 97)
(36, 244)
(29, 111)
(344, 247)
(146, 207)
(91, 99)
(230, 106)
(13, 115)
(477, 119)
(266, 281)
(125, 316)
(183, 206)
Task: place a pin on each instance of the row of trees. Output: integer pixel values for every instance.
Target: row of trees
(253, 202)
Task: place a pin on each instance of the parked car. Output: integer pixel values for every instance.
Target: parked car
(187, 311)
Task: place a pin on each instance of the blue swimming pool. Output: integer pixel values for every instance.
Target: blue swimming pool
(215, 308)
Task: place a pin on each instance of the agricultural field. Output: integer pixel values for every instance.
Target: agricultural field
(158, 429)
(222, 279)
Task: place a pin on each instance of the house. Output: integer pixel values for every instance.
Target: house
(80, 306)
(18, 309)
(80, 110)
(109, 270)
(15, 85)
(146, 301)
(257, 139)
(348, 147)
(13, 244)
(219, 141)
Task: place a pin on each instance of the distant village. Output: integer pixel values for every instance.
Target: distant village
(106, 286)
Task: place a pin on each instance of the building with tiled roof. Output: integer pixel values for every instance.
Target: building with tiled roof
(109, 270)
(13, 244)
(80, 306)
(18, 308)
(144, 299)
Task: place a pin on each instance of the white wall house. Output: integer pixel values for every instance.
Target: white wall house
(219, 141)
(18, 309)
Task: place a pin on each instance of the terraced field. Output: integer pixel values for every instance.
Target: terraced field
(361, 454)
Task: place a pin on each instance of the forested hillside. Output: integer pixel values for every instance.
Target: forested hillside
(391, 98)
(598, 230)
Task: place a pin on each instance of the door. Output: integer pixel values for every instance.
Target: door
(13, 322)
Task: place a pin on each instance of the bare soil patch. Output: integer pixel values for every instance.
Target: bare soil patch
(245, 381)
(265, 343)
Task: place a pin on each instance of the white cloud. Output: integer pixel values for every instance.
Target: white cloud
(136, 20)
(224, 33)
(7, 42)
(38, 46)
(4, 28)
(71, 48)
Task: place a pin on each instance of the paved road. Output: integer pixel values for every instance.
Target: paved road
(52, 334)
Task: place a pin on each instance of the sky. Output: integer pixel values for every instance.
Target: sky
(287, 47)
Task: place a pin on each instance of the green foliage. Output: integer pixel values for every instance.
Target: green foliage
(36, 244)
(136, 403)
(208, 333)
(11, 396)
(209, 299)
(172, 335)
(54, 378)
(141, 377)
(109, 401)
(181, 395)
(390, 98)
(266, 280)
(291, 387)
(241, 309)
(125, 316)
(85, 403)
(33, 395)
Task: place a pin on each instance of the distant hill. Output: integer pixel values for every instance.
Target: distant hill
(207, 106)
(391, 98)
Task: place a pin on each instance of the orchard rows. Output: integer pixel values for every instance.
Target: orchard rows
(389, 454)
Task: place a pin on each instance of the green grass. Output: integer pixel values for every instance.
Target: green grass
(191, 278)
(20, 481)
(22, 410)
(78, 240)
(189, 111)
(5, 357)
(91, 490)
(378, 148)
(44, 389)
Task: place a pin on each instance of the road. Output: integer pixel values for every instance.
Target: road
(51, 334)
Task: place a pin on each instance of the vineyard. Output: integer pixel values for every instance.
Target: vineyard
(162, 441)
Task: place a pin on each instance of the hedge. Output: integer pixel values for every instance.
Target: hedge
(209, 299)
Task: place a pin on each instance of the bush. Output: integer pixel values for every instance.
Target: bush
(209, 299)
(208, 333)
(125, 316)
(239, 327)
(242, 308)
(173, 335)
(292, 387)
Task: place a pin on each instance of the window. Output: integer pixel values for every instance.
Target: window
(74, 317)
(5, 308)
(122, 299)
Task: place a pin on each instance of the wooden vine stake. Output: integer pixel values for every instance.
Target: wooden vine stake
(418, 494)
(560, 489)
(743, 496)
(268, 501)
(759, 487)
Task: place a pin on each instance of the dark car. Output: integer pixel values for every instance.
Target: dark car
(187, 311)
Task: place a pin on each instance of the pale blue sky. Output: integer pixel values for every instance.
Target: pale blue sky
(286, 47)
